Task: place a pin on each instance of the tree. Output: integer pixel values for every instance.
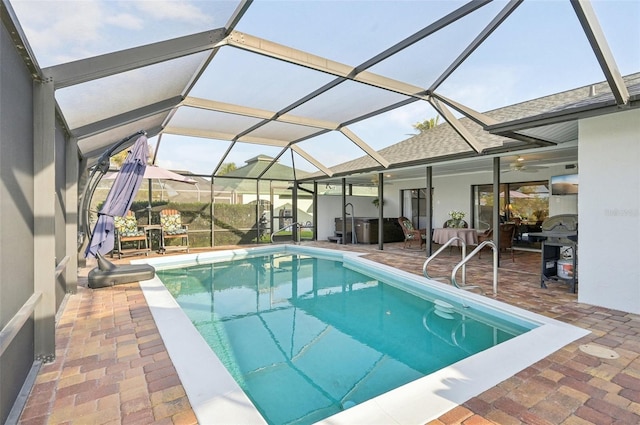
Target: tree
(118, 159)
(427, 124)
(226, 168)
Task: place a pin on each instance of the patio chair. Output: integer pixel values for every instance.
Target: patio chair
(127, 231)
(410, 233)
(507, 233)
(172, 228)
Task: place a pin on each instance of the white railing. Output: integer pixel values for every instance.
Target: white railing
(470, 256)
(463, 252)
(297, 227)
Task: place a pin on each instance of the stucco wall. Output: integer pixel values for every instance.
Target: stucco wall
(609, 211)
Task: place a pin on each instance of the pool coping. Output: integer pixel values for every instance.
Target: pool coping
(419, 401)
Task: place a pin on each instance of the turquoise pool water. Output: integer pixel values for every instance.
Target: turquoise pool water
(306, 337)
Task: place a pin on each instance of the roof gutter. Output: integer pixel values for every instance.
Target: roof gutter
(556, 117)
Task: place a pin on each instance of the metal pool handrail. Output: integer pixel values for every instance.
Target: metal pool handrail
(470, 256)
(297, 229)
(463, 253)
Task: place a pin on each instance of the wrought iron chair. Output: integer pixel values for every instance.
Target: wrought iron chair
(173, 228)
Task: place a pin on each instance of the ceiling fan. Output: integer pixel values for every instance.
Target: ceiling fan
(519, 166)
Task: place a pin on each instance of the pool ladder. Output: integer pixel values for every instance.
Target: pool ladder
(463, 264)
(297, 226)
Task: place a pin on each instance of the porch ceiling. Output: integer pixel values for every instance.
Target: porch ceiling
(321, 86)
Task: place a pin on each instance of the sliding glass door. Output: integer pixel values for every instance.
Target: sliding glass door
(525, 203)
(414, 207)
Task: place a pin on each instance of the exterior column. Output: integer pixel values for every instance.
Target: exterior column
(344, 211)
(315, 210)
(295, 230)
(429, 229)
(380, 211)
(44, 219)
(496, 204)
(71, 216)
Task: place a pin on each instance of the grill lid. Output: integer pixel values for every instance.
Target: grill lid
(562, 223)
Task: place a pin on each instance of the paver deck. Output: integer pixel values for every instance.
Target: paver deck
(111, 365)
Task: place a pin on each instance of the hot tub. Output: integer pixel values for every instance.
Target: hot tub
(367, 229)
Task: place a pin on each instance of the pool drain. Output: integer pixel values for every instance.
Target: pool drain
(599, 351)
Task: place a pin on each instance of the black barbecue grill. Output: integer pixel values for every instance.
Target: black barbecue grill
(559, 250)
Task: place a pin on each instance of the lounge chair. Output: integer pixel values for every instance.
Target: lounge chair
(410, 233)
(172, 228)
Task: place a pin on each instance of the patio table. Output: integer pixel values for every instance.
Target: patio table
(442, 235)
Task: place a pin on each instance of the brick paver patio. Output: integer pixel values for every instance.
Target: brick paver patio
(112, 367)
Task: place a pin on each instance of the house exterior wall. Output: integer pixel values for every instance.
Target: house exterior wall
(329, 209)
(450, 193)
(16, 217)
(609, 211)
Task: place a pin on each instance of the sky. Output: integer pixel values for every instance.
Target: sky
(539, 50)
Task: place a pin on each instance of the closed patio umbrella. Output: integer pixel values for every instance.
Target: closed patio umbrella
(124, 189)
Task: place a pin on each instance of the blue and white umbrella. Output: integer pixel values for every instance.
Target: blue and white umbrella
(120, 197)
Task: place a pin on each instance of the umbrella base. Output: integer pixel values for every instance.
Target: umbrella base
(108, 274)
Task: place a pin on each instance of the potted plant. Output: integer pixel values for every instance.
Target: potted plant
(376, 202)
(456, 220)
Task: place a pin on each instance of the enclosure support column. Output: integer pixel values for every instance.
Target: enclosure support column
(295, 229)
(344, 211)
(258, 229)
(212, 197)
(44, 242)
(315, 210)
(71, 215)
(380, 211)
(429, 212)
(496, 204)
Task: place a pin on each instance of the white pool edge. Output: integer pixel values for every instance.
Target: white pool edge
(216, 398)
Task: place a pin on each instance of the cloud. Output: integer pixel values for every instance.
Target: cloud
(183, 11)
(126, 21)
(63, 31)
(51, 24)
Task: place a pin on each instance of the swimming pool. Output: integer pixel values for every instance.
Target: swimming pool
(216, 397)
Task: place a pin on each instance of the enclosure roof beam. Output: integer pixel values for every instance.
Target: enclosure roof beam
(475, 116)
(128, 117)
(229, 108)
(297, 149)
(456, 125)
(84, 70)
(211, 134)
(593, 31)
(495, 22)
(365, 147)
(272, 163)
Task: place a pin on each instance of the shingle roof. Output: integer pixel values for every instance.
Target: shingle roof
(443, 141)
